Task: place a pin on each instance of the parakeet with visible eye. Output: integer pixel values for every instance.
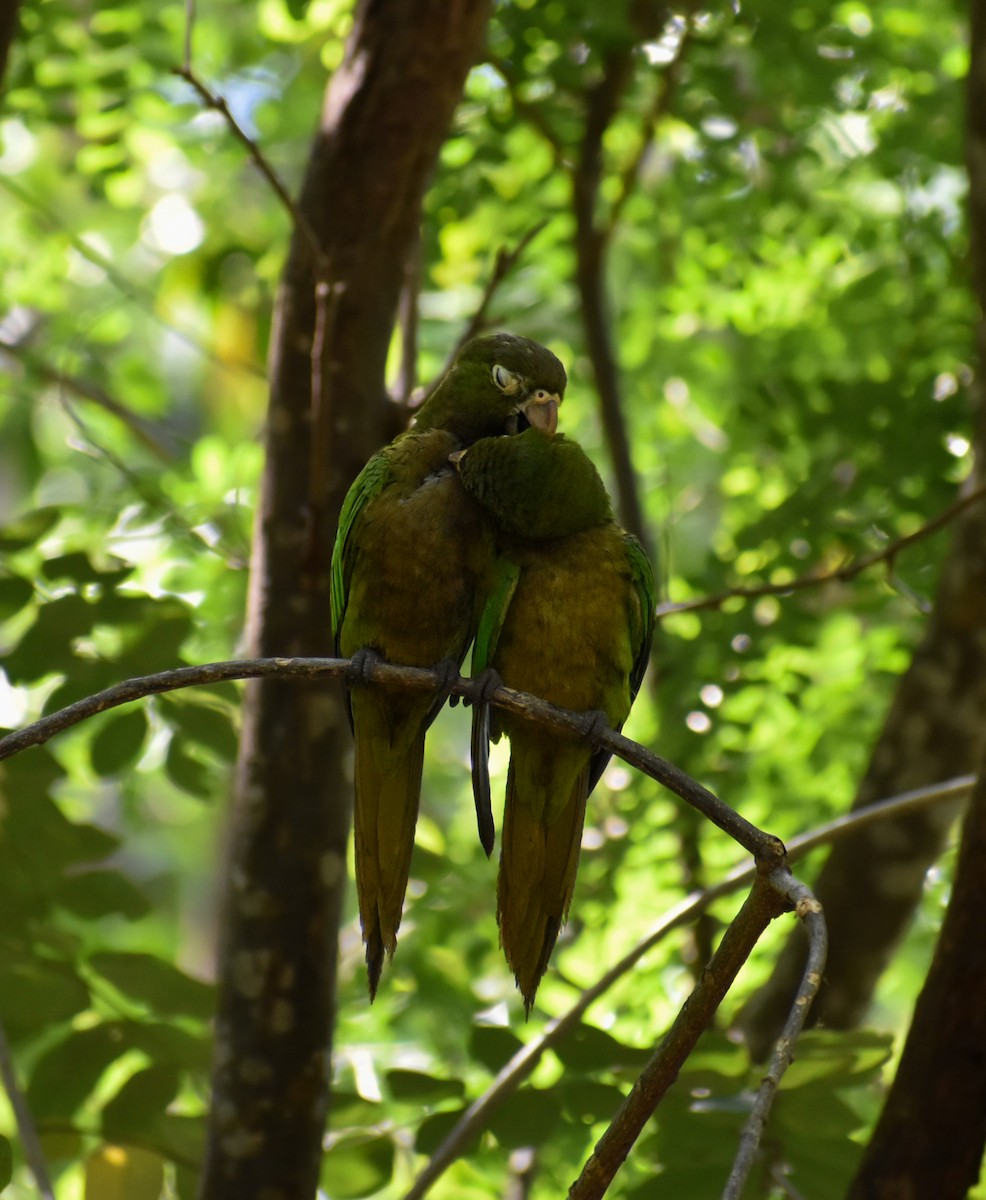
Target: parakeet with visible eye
(411, 568)
(570, 618)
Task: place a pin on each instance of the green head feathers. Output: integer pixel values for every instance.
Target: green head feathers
(535, 486)
(499, 384)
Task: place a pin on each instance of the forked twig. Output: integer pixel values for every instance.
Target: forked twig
(809, 912)
(767, 900)
(477, 1116)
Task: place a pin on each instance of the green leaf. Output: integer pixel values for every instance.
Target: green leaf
(527, 1119)
(47, 646)
(37, 994)
(15, 593)
(349, 1108)
(588, 1048)
(158, 984)
(86, 678)
(589, 1101)
(435, 1129)
(358, 1166)
(169, 1044)
(846, 1059)
(78, 566)
(68, 1071)
(423, 1089)
(27, 529)
(189, 773)
(119, 741)
(6, 1163)
(181, 1138)
(203, 724)
(138, 1104)
(95, 894)
(493, 1046)
(39, 844)
(158, 648)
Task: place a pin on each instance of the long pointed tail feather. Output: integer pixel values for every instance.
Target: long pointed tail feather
(388, 792)
(538, 865)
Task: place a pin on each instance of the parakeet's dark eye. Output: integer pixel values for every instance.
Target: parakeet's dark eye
(505, 380)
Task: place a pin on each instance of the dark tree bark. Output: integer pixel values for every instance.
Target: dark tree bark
(930, 1138)
(935, 730)
(931, 1135)
(386, 111)
(591, 243)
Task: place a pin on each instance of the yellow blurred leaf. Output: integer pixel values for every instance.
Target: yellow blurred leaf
(124, 1173)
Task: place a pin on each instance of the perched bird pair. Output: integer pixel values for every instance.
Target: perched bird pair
(481, 524)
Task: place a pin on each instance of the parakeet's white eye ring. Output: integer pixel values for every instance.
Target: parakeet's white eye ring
(505, 380)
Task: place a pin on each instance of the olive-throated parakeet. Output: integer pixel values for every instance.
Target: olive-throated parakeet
(410, 572)
(570, 618)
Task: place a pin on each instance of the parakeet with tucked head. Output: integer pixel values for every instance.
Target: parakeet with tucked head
(570, 618)
(411, 568)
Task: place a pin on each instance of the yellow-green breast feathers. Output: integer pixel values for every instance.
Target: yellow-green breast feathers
(575, 629)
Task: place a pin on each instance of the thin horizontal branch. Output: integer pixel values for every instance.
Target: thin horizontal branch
(809, 912)
(843, 574)
(763, 846)
(477, 1116)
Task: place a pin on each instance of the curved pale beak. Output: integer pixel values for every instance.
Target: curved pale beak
(542, 412)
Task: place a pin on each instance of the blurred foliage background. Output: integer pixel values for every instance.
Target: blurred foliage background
(792, 322)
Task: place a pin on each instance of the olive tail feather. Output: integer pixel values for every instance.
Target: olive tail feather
(388, 791)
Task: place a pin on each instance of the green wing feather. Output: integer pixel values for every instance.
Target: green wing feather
(367, 484)
(641, 633)
(491, 621)
(643, 583)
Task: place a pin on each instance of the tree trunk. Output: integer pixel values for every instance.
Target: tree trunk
(936, 728)
(930, 1138)
(931, 1135)
(385, 114)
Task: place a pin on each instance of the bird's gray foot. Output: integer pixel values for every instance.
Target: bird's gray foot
(447, 672)
(486, 683)
(592, 724)
(360, 669)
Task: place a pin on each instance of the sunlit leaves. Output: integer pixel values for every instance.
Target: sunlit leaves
(358, 1165)
(792, 327)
